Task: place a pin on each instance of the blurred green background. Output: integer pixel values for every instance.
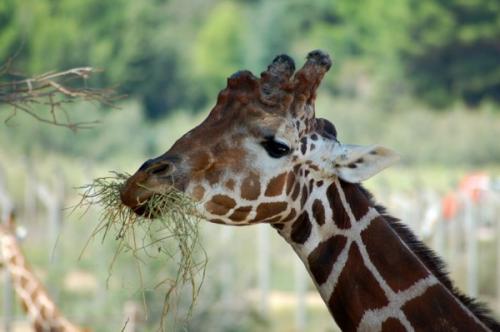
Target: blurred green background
(420, 76)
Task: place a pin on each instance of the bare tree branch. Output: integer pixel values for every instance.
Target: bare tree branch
(43, 96)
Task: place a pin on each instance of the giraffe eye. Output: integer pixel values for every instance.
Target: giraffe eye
(274, 148)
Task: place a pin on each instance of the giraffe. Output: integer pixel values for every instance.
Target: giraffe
(41, 309)
(261, 156)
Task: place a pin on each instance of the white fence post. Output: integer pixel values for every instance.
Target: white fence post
(226, 270)
(263, 266)
(30, 208)
(497, 221)
(453, 243)
(7, 208)
(53, 200)
(132, 316)
(470, 246)
(300, 291)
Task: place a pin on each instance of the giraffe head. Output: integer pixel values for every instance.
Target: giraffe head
(260, 152)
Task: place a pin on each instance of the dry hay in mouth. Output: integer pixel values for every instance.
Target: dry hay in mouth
(173, 223)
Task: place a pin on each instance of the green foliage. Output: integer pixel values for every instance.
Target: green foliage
(9, 35)
(454, 53)
(219, 48)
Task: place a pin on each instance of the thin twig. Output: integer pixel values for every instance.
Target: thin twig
(49, 92)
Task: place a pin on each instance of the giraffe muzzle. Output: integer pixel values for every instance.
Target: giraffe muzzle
(155, 176)
(133, 194)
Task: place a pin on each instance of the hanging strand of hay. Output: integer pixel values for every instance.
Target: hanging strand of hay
(172, 219)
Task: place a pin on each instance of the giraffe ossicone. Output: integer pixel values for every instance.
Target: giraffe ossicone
(261, 156)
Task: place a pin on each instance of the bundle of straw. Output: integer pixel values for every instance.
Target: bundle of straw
(171, 218)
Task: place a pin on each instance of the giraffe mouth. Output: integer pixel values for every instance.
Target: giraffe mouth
(135, 195)
(143, 209)
(152, 197)
(139, 205)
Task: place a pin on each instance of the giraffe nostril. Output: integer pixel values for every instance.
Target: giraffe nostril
(158, 169)
(163, 165)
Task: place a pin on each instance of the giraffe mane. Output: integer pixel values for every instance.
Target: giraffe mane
(434, 263)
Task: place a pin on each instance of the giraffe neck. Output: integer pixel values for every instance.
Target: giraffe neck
(35, 300)
(366, 273)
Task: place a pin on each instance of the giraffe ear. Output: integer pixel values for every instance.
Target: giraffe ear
(356, 163)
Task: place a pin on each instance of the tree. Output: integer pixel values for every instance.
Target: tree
(454, 51)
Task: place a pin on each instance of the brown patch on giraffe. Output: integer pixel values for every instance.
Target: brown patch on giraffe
(218, 221)
(393, 325)
(213, 175)
(224, 200)
(230, 184)
(313, 147)
(405, 268)
(311, 185)
(278, 226)
(303, 145)
(240, 213)
(296, 191)
(44, 312)
(296, 169)
(200, 161)
(24, 306)
(268, 210)
(215, 209)
(319, 183)
(318, 212)
(340, 216)
(356, 291)
(290, 215)
(276, 184)
(305, 196)
(220, 204)
(232, 158)
(314, 167)
(40, 327)
(198, 192)
(23, 281)
(290, 182)
(14, 260)
(301, 229)
(322, 258)
(436, 310)
(250, 187)
(314, 137)
(357, 200)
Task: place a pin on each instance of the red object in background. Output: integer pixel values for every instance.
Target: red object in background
(473, 185)
(449, 206)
